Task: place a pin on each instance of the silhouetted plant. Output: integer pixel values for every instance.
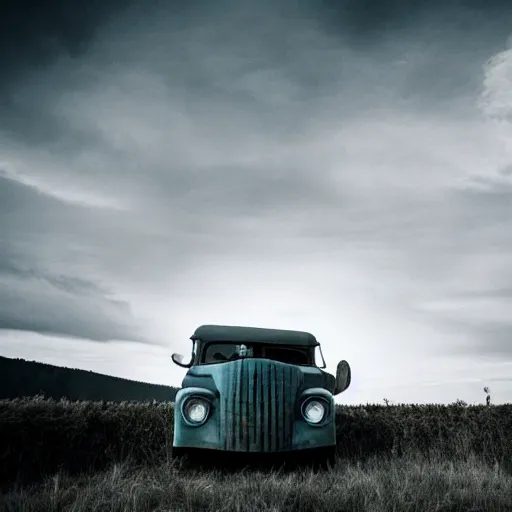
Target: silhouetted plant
(488, 398)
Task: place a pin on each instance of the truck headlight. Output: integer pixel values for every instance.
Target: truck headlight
(195, 410)
(314, 411)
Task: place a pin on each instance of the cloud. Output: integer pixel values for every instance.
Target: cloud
(340, 167)
(56, 191)
(39, 292)
(60, 305)
(36, 35)
(54, 306)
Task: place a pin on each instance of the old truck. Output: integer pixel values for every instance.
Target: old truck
(259, 391)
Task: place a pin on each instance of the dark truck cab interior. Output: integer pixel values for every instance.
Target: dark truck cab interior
(214, 353)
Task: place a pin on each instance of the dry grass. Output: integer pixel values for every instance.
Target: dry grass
(39, 436)
(396, 458)
(377, 485)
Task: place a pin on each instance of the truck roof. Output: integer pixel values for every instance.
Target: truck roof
(231, 333)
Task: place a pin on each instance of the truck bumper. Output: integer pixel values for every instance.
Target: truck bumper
(323, 457)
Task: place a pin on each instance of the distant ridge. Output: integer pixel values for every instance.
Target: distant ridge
(21, 378)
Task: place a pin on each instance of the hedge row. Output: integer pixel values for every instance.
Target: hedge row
(40, 437)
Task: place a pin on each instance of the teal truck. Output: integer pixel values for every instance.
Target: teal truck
(259, 391)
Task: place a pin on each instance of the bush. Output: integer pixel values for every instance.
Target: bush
(40, 437)
(454, 430)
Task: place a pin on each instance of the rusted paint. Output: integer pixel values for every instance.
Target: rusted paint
(255, 408)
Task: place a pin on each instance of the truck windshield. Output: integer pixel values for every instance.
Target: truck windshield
(224, 352)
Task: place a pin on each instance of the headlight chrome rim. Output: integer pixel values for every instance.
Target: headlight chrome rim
(190, 402)
(320, 401)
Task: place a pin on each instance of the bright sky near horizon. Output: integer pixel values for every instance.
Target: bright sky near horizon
(343, 168)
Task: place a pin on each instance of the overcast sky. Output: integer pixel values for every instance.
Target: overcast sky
(341, 167)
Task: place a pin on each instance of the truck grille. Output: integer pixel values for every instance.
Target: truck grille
(258, 405)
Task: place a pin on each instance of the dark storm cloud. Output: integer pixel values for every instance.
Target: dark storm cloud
(373, 16)
(36, 295)
(10, 267)
(35, 33)
(434, 37)
(149, 141)
(204, 51)
(34, 37)
(52, 305)
(32, 300)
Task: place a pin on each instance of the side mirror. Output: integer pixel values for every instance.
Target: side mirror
(343, 377)
(178, 359)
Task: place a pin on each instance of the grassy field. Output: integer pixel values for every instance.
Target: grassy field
(95, 456)
(377, 485)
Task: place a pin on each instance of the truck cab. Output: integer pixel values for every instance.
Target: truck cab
(253, 390)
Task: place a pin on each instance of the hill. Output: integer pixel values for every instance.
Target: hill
(21, 378)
